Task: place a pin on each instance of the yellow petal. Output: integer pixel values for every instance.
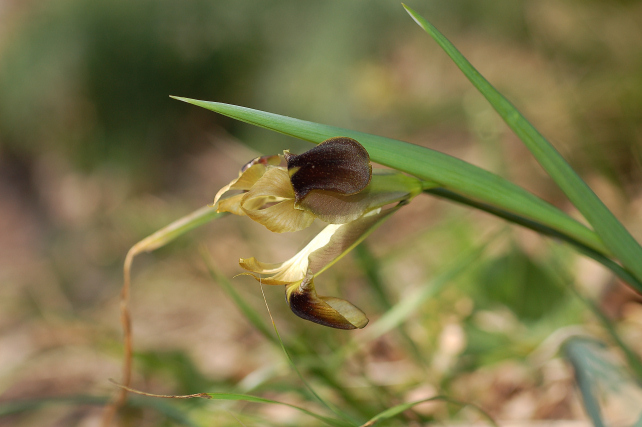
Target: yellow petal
(231, 205)
(274, 186)
(330, 245)
(281, 217)
(274, 182)
(294, 269)
(278, 274)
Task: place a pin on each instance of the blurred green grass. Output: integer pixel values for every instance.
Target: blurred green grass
(94, 156)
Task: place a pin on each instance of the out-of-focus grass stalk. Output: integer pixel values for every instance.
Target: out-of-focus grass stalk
(244, 398)
(578, 351)
(154, 241)
(371, 267)
(634, 362)
(413, 300)
(398, 409)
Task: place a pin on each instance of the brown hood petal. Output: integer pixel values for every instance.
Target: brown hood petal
(338, 164)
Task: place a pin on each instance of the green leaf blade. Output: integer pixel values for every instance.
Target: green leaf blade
(398, 409)
(611, 231)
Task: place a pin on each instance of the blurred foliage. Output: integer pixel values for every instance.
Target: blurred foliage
(520, 284)
(91, 80)
(94, 155)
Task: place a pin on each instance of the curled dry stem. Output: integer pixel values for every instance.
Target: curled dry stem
(126, 324)
(148, 244)
(162, 396)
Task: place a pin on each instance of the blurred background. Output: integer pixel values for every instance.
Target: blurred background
(94, 156)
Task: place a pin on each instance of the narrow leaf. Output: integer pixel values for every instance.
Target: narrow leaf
(398, 409)
(255, 399)
(612, 233)
(581, 354)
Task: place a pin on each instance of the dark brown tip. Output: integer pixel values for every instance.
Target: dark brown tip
(309, 307)
(338, 164)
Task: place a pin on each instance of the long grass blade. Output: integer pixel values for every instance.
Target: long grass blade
(398, 409)
(424, 163)
(234, 397)
(611, 231)
(254, 399)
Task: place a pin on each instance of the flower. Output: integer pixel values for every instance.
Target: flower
(298, 273)
(334, 182)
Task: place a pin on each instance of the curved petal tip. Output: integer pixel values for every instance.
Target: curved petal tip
(327, 311)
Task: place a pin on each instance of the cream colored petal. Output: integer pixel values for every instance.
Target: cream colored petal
(264, 280)
(222, 191)
(252, 264)
(298, 272)
(330, 245)
(231, 205)
(277, 274)
(256, 203)
(344, 239)
(294, 269)
(249, 177)
(281, 217)
(246, 179)
(349, 311)
(274, 182)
